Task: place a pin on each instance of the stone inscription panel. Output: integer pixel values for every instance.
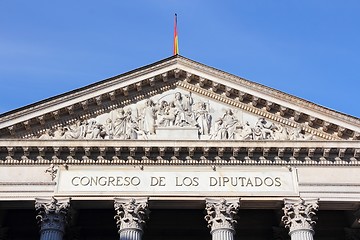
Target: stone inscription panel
(176, 181)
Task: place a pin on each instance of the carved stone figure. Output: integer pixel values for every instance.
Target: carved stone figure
(120, 124)
(184, 115)
(109, 129)
(203, 119)
(226, 126)
(93, 129)
(280, 132)
(131, 126)
(149, 117)
(245, 132)
(59, 133)
(76, 131)
(219, 130)
(263, 130)
(166, 114)
(230, 123)
(46, 135)
(175, 110)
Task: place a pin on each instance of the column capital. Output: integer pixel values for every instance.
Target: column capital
(221, 213)
(300, 214)
(52, 212)
(52, 205)
(131, 213)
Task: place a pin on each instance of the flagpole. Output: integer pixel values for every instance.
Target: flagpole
(176, 38)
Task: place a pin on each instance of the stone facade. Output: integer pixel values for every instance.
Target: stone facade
(171, 144)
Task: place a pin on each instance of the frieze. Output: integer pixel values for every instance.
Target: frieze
(175, 113)
(176, 181)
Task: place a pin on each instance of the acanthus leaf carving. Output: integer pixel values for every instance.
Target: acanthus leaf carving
(52, 213)
(131, 213)
(300, 214)
(222, 213)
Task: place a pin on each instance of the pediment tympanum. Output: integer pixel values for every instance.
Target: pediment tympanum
(176, 114)
(177, 98)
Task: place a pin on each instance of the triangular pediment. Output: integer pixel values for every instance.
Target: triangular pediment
(177, 98)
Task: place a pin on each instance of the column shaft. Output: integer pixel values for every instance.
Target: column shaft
(130, 234)
(222, 234)
(51, 234)
(302, 235)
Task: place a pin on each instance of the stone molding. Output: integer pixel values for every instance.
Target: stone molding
(300, 214)
(43, 152)
(131, 213)
(52, 213)
(222, 213)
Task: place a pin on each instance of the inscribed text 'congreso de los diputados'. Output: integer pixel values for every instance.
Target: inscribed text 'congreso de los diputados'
(178, 150)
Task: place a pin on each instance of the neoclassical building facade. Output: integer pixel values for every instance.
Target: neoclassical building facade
(178, 150)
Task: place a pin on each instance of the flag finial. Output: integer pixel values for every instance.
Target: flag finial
(176, 39)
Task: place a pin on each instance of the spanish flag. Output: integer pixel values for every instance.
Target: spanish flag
(176, 39)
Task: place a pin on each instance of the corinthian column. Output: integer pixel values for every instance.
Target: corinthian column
(299, 217)
(221, 214)
(130, 217)
(52, 214)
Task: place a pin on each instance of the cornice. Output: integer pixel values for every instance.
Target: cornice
(121, 152)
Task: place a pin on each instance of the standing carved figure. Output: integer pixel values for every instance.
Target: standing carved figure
(120, 124)
(148, 115)
(131, 126)
(203, 119)
(230, 123)
(109, 129)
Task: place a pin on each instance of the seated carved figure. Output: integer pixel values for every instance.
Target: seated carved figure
(184, 114)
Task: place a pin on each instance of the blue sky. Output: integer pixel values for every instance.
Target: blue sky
(308, 48)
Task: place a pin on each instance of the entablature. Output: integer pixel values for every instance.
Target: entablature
(138, 152)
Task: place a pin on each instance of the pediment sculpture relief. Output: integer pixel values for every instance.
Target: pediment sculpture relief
(179, 115)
